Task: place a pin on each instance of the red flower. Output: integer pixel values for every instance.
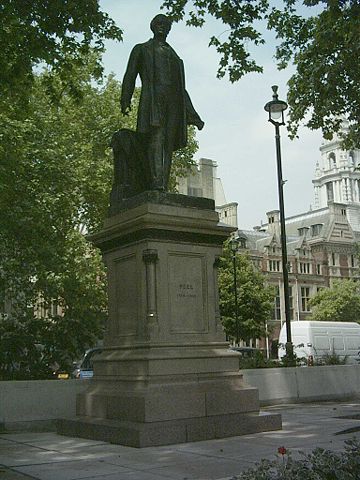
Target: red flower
(282, 450)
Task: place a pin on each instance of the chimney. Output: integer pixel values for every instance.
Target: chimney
(273, 221)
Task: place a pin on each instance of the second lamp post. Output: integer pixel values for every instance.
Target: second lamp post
(276, 109)
(234, 248)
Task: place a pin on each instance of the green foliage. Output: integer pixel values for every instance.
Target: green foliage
(255, 298)
(318, 465)
(59, 34)
(331, 359)
(238, 19)
(55, 180)
(55, 175)
(258, 360)
(339, 303)
(292, 360)
(324, 48)
(183, 159)
(321, 38)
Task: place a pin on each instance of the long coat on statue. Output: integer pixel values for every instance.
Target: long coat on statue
(142, 63)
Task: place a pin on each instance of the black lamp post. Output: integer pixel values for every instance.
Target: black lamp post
(234, 248)
(276, 109)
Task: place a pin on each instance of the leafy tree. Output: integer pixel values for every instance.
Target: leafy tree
(322, 43)
(55, 180)
(339, 303)
(57, 33)
(324, 48)
(255, 298)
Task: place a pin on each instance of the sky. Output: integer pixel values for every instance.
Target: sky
(237, 134)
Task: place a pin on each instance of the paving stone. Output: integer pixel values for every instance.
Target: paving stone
(47, 456)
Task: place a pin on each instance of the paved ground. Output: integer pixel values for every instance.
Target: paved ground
(47, 456)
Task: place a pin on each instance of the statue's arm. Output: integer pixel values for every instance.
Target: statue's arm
(129, 80)
(192, 117)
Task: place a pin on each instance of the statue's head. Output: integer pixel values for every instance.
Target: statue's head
(160, 24)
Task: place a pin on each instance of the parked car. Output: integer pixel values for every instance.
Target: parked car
(61, 375)
(86, 366)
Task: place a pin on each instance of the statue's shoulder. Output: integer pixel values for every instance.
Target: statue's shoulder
(144, 45)
(141, 49)
(174, 53)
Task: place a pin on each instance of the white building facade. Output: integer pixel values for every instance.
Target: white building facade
(202, 181)
(337, 179)
(321, 243)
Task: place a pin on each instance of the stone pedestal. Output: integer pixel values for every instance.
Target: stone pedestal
(166, 374)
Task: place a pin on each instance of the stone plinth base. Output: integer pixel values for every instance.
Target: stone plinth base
(136, 434)
(165, 374)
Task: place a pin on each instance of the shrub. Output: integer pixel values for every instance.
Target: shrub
(318, 465)
(257, 360)
(331, 359)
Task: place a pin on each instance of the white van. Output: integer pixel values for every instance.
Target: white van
(318, 339)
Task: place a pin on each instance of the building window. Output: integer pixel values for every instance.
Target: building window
(291, 302)
(351, 158)
(333, 259)
(54, 308)
(330, 191)
(352, 261)
(332, 160)
(304, 267)
(318, 268)
(277, 305)
(305, 298)
(316, 229)
(195, 192)
(242, 242)
(302, 231)
(274, 266)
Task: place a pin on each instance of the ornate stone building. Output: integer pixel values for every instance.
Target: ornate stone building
(321, 243)
(337, 179)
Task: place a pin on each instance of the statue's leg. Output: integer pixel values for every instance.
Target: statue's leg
(172, 128)
(155, 154)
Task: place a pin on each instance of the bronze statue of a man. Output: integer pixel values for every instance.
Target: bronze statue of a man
(165, 107)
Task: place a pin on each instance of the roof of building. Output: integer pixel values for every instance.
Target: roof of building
(324, 224)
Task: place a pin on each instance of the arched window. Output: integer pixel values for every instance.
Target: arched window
(242, 242)
(330, 191)
(351, 159)
(332, 160)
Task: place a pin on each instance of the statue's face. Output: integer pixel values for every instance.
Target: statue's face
(161, 28)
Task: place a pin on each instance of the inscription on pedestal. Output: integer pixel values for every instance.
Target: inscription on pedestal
(187, 293)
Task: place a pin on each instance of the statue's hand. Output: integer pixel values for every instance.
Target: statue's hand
(200, 125)
(125, 109)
